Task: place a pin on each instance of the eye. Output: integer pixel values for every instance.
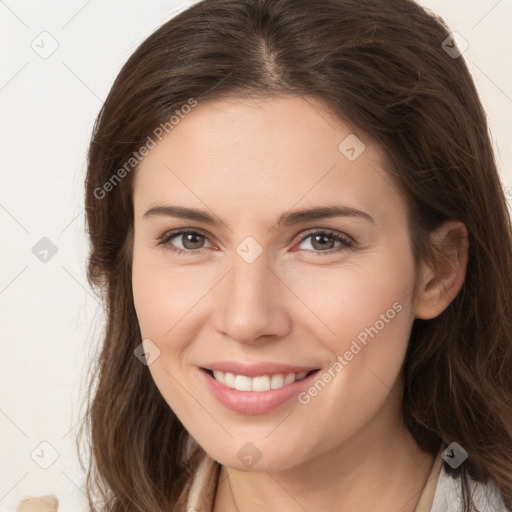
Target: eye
(322, 241)
(191, 241)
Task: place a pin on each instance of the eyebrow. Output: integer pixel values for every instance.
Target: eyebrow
(286, 219)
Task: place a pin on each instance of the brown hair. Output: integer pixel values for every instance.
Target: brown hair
(379, 64)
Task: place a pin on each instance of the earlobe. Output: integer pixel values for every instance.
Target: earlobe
(441, 284)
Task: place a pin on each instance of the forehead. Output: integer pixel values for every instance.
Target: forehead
(264, 152)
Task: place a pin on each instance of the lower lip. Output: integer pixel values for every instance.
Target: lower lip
(254, 402)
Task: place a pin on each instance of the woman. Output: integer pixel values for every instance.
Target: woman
(303, 245)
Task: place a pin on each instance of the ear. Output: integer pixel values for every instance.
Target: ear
(440, 285)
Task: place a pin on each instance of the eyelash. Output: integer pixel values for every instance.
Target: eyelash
(346, 243)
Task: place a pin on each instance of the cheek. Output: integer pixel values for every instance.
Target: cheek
(164, 296)
(161, 304)
(366, 316)
(369, 321)
(359, 299)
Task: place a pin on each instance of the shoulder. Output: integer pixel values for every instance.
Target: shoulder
(47, 503)
(448, 495)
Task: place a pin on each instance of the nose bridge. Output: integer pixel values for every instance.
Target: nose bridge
(251, 280)
(249, 304)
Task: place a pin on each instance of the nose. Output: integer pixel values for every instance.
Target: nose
(250, 302)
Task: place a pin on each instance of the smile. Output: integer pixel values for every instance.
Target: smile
(258, 394)
(259, 383)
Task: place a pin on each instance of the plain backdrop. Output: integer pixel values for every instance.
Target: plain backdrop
(58, 61)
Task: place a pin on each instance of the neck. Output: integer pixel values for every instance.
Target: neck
(381, 467)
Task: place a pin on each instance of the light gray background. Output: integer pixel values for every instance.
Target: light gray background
(50, 319)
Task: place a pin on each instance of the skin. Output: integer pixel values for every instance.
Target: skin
(348, 448)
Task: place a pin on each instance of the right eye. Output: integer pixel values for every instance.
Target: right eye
(190, 241)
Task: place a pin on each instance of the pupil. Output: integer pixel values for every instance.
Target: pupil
(317, 238)
(189, 238)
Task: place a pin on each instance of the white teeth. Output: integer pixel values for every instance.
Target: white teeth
(229, 379)
(220, 375)
(277, 381)
(289, 379)
(260, 383)
(243, 383)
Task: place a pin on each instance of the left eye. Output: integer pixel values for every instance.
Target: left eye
(318, 241)
(321, 241)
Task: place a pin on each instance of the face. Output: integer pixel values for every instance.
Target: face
(247, 286)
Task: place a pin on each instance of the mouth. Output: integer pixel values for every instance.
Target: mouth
(259, 393)
(260, 383)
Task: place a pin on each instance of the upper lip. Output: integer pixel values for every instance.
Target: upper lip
(257, 369)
